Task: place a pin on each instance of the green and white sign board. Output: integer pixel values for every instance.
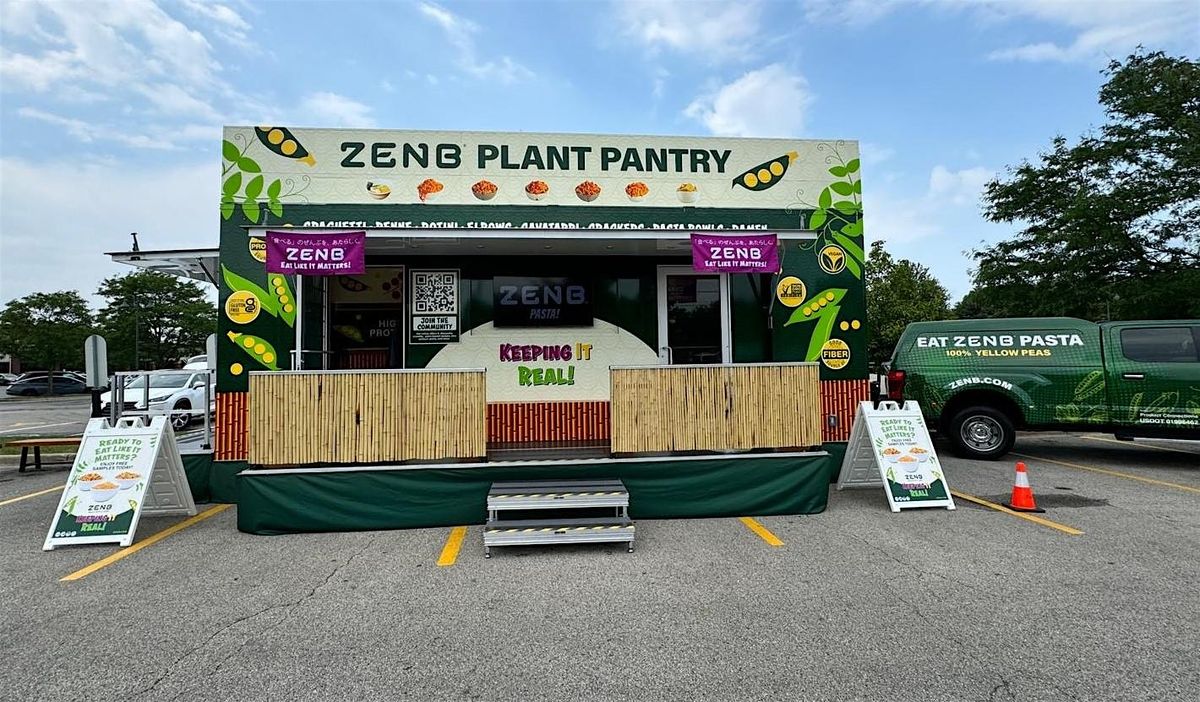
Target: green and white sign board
(890, 446)
(120, 473)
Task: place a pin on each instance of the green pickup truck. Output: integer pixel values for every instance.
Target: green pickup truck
(980, 380)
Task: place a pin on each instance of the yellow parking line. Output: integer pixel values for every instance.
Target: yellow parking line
(1023, 515)
(47, 491)
(1140, 445)
(1115, 473)
(452, 547)
(148, 541)
(761, 530)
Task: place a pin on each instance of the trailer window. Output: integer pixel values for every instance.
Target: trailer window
(1159, 345)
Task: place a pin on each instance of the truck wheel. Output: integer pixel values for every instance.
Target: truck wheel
(982, 433)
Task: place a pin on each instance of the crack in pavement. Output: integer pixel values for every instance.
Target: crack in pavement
(287, 606)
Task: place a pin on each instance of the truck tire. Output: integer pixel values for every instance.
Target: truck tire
(982, 433)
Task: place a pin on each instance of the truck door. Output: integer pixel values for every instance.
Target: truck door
(1154, 375)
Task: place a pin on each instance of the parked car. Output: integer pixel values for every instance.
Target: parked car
(980, 380)
(173, 393)
(8, 378)
(40, 385)
(197, 363)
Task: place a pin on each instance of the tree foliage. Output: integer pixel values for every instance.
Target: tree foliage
(1111, 224)
(898, 292)
(46, 330)
(170, 317)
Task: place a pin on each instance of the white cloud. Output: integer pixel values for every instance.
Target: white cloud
(960, 187)
(91, 132)
(950, 196)
(1104, 27)
(333, 110)
(228, 24)
(1101, 28)
(461, 33)
(59, 218)
(715, 31)
(768, 102)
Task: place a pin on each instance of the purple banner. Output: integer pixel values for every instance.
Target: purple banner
(334, 253)
(729, 253)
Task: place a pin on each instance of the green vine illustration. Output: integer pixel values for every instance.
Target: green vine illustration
(837, 214)
(242, 183)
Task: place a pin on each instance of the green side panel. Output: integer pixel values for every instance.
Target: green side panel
(801, 337)
(837, 452)
(399, 499)
(198, 467)
(224, 483)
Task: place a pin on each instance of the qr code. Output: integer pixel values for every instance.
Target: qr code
(435, 292)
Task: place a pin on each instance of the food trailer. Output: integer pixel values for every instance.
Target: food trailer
(407, 317)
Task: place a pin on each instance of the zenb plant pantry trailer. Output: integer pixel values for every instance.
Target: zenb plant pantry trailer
(408, 318)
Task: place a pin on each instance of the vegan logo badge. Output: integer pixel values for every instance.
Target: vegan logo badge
(791, 291)
(242, 307)
(835, 354)
(258, 249)
(832, 259)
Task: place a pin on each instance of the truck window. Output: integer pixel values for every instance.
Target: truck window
(1159, 345)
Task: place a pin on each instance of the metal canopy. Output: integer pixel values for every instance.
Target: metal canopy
(195, 264)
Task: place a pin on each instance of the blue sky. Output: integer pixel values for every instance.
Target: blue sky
(110, 113)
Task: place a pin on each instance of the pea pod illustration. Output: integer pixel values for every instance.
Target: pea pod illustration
(764, 175)
(257, 348)
(285, 301)
(822, 308)
(281, 141)
(1092, 384)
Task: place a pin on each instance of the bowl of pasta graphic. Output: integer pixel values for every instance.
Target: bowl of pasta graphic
(103, 492)
(891, 454)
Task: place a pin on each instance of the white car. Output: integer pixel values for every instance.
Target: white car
(173, 393)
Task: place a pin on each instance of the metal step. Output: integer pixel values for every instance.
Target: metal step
(561, 494)
(532, 532)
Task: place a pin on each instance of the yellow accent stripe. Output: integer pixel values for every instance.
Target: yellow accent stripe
(148, 541)
(1140, 445)
(452, 547)
(761, 530)
(32, 494)
(1023, 515)
(1115, 473)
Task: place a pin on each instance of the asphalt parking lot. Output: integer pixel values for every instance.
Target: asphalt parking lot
(62, 415)
(857, 602)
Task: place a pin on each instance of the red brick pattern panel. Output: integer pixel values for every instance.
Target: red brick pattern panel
(841, 398)
(520, 422)
(231, 426)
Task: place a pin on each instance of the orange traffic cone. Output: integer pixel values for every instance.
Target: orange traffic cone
(1022, 494)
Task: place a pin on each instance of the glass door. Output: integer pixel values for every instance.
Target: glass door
(693, 316)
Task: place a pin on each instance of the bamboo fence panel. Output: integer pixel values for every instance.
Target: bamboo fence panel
(664, 409)
(370, 417)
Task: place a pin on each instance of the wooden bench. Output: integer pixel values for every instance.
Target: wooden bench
(36, 445)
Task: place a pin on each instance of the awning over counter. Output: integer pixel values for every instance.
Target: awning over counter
(195, 264)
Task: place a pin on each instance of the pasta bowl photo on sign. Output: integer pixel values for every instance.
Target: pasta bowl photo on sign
(87, 480)
(428, 188)
(103, 492)
(637, 191)
(587, 191)
(688, 193)
(537, 189)
(484, 190)
(127, 479)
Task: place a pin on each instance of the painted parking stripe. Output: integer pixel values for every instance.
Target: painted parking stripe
(453, 546)
(1114, 473)
(47, 491)
(40, 426)
(763, 532)
(1023, 515)
(1141, 444)
(148, 541)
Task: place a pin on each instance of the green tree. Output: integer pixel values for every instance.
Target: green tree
(1111, 224)
(46, 330)
(898, 292)
(153, 320)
